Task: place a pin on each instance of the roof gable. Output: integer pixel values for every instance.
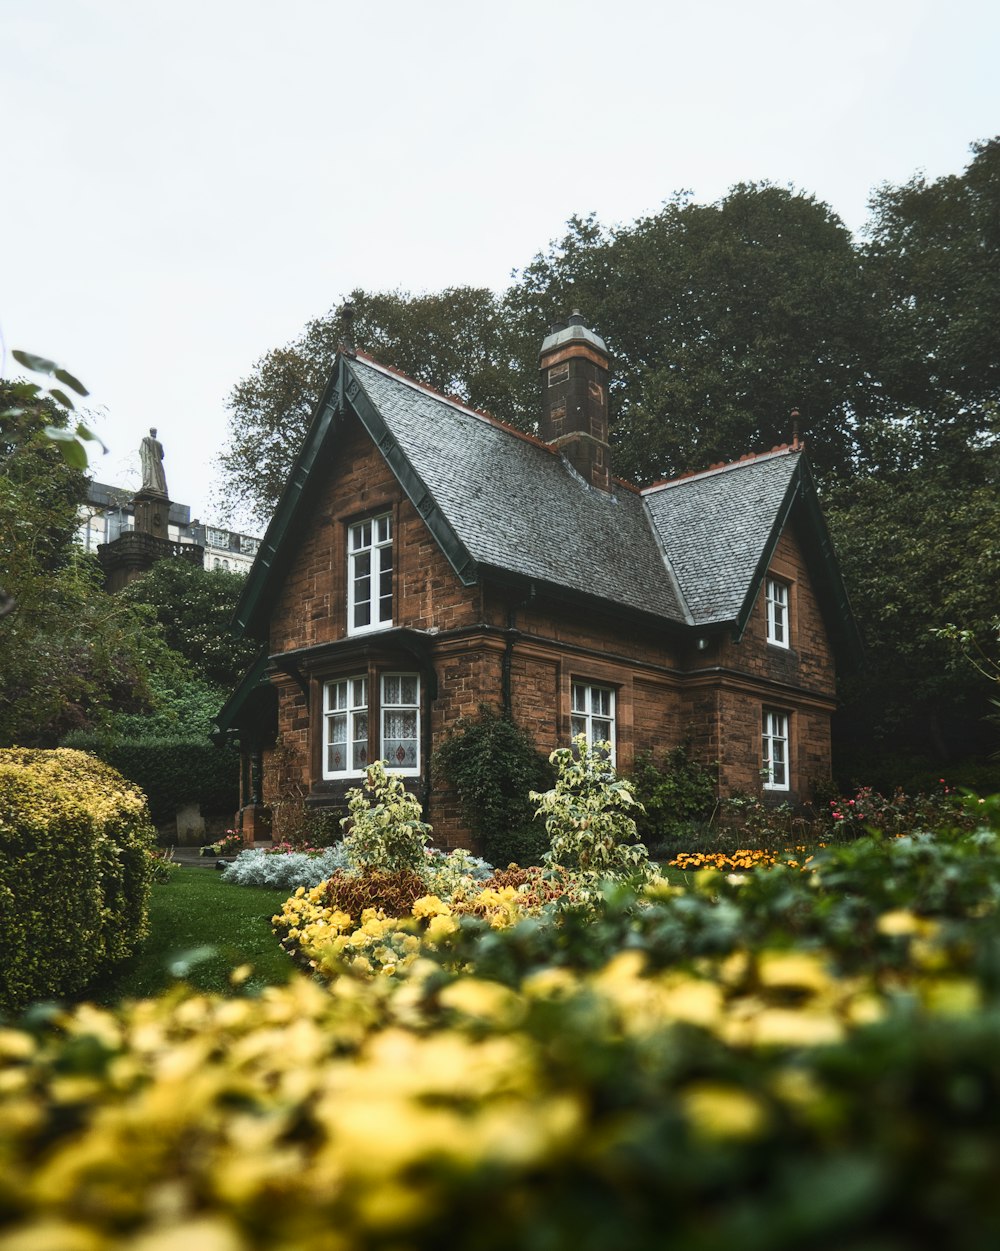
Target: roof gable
(720, 527)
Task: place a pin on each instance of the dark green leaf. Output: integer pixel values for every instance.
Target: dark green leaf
(83, 433)
(61, 398)
(74, 384)
(38, 364)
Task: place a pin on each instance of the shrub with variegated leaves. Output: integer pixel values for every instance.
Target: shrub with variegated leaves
(590, 817)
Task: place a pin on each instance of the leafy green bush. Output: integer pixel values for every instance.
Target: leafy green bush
(171, 771)
(678, 795)
(589, 817)
(868, 810)
(493, 765)
(75, 872)
(384, 831)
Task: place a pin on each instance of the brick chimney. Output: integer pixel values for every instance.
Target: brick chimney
(574, 363)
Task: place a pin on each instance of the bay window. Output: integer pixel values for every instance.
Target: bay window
(355, 733)
(345, 728)
(400, 746)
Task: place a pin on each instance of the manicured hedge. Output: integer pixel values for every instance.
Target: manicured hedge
(172, 771)
(74, 872)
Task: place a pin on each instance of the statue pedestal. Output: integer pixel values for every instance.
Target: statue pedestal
(151, 513)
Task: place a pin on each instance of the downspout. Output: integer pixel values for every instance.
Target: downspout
(508, 653)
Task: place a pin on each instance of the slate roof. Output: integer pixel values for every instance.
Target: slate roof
(690, 552)
(517, 506)
(719, 526)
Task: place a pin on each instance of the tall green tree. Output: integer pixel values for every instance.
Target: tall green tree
(68, 652)
(722, 318)
(454, 341)
(932, 259)
(193, 608)
(918, 554)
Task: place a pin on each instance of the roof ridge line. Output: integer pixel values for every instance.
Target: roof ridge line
(780, 449)
(479, 413)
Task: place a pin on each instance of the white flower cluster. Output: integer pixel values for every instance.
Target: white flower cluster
(287, 871)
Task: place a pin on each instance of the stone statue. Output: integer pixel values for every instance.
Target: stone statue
(151, 454)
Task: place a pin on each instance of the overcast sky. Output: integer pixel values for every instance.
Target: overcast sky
(186, 183)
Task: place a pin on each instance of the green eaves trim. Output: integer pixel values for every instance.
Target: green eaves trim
(255, 677)
(455, 551)
(249, 616)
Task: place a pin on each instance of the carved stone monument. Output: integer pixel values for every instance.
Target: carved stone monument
(135, 551)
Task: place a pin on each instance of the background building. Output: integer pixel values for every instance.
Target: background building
(109, 513)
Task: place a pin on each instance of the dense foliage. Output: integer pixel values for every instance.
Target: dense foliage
(383, 829)
(493, 764)
(67, 651)
(918, 552)
(784, 1058)
(193, 608)
(171, 771)
(677, 794)
(74, 872)
(589, 817)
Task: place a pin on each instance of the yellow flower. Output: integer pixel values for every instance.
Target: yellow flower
(718, 1111)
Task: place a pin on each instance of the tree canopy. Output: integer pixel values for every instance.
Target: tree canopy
(67, 651)
(721, 319)
(193, 608)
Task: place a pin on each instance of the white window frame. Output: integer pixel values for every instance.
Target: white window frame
(775, 744)
(344, 700)
(386, 708)
(371, 538)
(587, 707)
(778, 615)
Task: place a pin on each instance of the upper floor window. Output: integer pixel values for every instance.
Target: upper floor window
(775, 750)
(369, 574)
(345, 728)
(593, 714)
(776, 599)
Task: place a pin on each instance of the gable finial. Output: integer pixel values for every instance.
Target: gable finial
(795, 427)
(346, 342)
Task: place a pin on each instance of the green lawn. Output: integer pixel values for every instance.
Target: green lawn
(201, 928)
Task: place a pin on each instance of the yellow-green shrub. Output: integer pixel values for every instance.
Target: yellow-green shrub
(324, 938)
(757, 1101)
(74, 872)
